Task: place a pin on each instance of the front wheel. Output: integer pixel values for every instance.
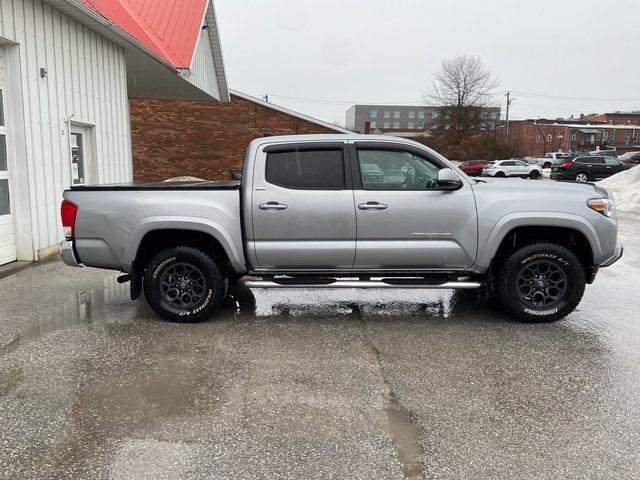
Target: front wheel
(500, 174)
(184, 284)
(534, 174)
(543, 282)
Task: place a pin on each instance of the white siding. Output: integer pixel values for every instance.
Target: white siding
(86, 82)
(203, 71)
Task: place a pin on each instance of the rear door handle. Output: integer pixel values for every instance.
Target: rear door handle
(372, 206)
(272, 206)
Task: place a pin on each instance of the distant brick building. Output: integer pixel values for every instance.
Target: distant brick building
(172, 138)
(619, 118)
(538, 137)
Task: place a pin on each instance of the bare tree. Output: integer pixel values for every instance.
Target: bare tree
(462, 87)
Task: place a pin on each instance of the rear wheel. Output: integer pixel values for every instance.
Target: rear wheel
(500, 174)
(184, 284)
(581, 177)
(534, 174)
(542, 282)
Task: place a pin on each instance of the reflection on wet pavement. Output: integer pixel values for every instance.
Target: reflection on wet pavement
(303, 384)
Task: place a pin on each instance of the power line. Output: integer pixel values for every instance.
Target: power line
(569, 98)
(351, 102)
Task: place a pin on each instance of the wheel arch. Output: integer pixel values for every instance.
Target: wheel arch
(153, 234)
(515, 231)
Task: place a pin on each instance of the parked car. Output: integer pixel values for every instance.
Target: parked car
(291, 223)
(605, 153)
(630, 158)
(588, 168)
(473, 167)
(550, 159)
(512, 168)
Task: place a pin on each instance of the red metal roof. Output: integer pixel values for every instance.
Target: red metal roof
(170, 28)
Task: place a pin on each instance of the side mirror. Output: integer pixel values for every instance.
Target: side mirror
(449, 180)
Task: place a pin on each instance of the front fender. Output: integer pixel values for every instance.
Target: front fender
(231, 245)
(511, 221)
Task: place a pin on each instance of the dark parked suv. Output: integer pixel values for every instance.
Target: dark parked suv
(588, 168)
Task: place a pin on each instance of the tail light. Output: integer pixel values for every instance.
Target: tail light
(68, 213)
(566, 165)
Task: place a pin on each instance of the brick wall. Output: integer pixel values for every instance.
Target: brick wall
(533, 139)
(172, 138)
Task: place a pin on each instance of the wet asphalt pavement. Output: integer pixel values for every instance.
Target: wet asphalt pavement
(317, 384)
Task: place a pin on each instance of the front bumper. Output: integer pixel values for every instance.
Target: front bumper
(68, 254)
(616, 256)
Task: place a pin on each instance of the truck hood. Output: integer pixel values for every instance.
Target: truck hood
(517, 195)
(537, 187)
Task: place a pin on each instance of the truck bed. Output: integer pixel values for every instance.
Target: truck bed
(206, 185)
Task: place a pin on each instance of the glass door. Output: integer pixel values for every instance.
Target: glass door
(7, 229)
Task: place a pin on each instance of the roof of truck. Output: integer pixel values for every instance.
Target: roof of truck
(341, 137)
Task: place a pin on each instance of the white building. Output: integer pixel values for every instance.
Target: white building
(66, 72)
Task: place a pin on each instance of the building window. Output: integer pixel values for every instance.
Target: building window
(396, 124)
(537, 138)
(605, 135)
(612, 135)
(421, 115)
(412, 125)
(374, 124)
(635, 136)
(549, 137)
(387, 114)
(434, 114)
(387, 125)
(421, 124)
(396, 114)
(574, 137)
(412, 114)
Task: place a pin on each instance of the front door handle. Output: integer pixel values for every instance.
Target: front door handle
(372, 206)
(272, 206)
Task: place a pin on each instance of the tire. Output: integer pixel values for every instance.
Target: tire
(500, 175)
(555, 297)
(534, 174)
(184, 284)
(581, 177)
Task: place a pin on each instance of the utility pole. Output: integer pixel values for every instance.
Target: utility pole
(506, 130)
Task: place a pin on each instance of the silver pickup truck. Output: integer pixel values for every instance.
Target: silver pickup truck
(345, 211)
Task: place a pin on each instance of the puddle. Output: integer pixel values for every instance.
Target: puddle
(82, 307)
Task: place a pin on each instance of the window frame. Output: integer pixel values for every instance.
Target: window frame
(355, 163)
(310, 147)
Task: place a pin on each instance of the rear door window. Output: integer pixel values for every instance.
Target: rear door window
(306, 170)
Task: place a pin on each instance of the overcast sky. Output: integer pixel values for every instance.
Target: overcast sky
(341, 52)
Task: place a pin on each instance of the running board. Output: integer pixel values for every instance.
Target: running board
(382, 283)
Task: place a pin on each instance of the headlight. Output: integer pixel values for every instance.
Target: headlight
(605, 206)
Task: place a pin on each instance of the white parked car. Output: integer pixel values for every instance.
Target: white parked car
(512, 168)
(550, 159)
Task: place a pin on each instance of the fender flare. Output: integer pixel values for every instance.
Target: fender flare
(511, 221)
(197, 224)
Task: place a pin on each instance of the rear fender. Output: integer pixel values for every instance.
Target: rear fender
(217, 231)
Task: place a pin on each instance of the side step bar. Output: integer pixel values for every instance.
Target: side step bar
(382, 283)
